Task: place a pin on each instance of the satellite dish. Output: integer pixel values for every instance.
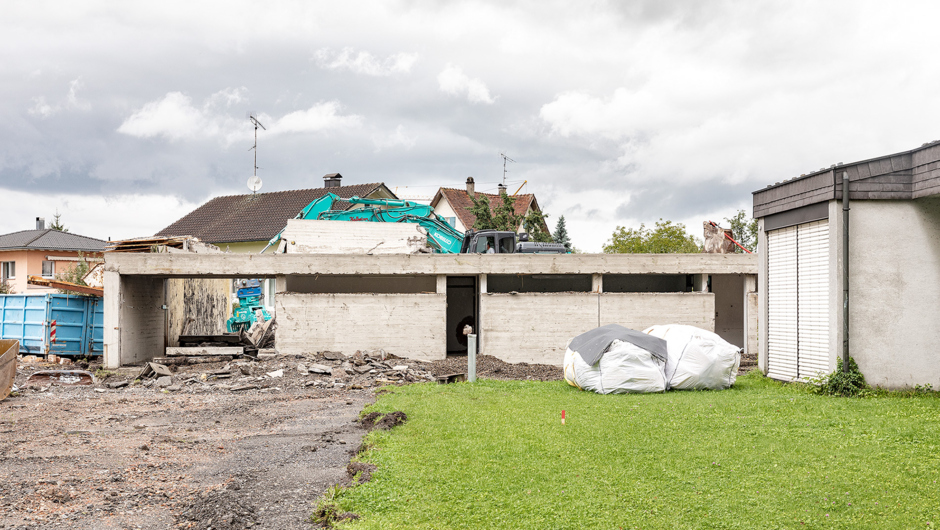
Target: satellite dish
(254, 183)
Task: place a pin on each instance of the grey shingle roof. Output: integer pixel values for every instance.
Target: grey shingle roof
(255, 217)
(50, 239)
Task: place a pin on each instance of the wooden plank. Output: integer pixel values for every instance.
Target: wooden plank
(206, 351)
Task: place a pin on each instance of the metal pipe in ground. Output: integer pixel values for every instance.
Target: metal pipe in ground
(471, 357)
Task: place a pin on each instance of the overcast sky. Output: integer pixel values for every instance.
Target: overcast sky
(126, 116)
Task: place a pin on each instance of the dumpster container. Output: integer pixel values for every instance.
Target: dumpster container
(29, 319)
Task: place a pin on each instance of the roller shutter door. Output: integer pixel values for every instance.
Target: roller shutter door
(813, 303)
(782, 304)
(798, 301)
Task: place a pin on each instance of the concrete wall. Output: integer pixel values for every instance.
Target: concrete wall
(271, 265)
(305, 236)
(134, 319)
(642, 310)
(894, 285)
(407, 325)
(536, 327)
(204, 303)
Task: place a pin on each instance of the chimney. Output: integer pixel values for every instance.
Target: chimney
(502, 189)
(332, 180)
(470, 188)
(40, 223)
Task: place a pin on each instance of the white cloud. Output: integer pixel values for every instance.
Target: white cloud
(395, 139)
(453, 81)
(41, 108)
(98, 216)
(363, 62)
(44, 110)
(175, 117)
(323, 116)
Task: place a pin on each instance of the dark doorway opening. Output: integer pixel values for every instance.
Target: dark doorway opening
(461, 311)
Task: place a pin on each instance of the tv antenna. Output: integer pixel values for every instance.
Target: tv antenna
(505, 159)
(254, 183)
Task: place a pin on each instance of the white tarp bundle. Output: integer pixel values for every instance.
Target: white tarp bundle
(697, 359)
(616, 360)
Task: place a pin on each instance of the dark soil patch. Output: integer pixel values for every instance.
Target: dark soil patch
(391, 420)
(364, 468)
(377, 420)
(490, 367)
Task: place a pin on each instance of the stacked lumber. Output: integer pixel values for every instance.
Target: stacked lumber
(187, 244)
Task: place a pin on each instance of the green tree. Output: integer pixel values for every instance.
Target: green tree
(5, 287)
(743, 231)
(500, 217)
(533, 223)
(561, 233)
(503, 216)
(57, 223)
(666, 238)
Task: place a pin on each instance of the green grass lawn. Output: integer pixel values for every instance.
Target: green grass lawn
(494, 454)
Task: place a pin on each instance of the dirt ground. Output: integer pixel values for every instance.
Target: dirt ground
(243, 444)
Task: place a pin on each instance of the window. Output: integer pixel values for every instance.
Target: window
(48, 269)
(8, 271)
(452, 221)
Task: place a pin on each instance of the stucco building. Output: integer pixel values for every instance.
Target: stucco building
(42, 252)
(893, 270)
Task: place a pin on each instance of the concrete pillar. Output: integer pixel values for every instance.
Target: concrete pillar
(112, 319)
(480, 316)
(442, 284)
(597, 283)
(751, 312)
(280, 284)
(700, 283)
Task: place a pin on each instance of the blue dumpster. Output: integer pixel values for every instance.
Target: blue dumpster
(28, 318)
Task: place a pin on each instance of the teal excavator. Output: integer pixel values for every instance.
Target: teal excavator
(442, 237)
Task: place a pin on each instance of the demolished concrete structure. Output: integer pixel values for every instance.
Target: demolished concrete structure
(523, 307)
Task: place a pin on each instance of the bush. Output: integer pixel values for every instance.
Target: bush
(845, 383)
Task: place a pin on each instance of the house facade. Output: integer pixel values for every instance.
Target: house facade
(889, 283)
(454, 205)
(42, 252)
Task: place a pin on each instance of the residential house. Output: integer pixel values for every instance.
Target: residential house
(893, 270)
(454, 205)
(42, 252)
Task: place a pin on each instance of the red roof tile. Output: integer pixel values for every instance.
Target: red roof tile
(460, 201)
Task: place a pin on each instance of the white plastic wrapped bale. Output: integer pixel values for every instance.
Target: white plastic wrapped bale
(624, 368)
(698, 359)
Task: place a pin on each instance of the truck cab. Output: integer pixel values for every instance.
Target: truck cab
(504, 242)
(481, 241)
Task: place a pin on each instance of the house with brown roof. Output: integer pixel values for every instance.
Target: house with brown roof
(42, 252)
(454, 205)
(245, 223)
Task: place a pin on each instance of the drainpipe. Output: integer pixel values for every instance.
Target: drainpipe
(845, 271)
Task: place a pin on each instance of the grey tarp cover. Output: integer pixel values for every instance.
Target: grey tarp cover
(591, 345)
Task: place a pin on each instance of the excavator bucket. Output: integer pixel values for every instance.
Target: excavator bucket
(8, 351)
